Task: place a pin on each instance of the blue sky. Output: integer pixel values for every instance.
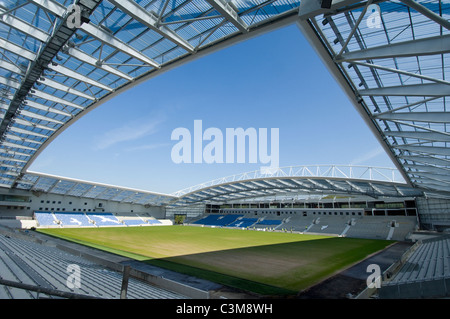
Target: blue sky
(273, 81)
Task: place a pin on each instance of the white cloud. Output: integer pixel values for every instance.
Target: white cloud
(128, 132)
(368, 156)
(146, 147)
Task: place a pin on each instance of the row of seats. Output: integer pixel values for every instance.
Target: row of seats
(424, 274)
(431, 260)
(217, 220)
(83, 219)
(377, 227)
(25, 261)
(239, 221)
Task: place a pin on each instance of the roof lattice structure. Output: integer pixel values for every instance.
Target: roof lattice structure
(393, 63)
(394, 67)
(51, 75)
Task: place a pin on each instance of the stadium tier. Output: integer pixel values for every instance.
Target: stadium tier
(425, 274)
(45, 218)
(72, 219)
(79, 219)
(34, 264)
(103, 219)
(356, 226)
(269, 222)
(243, 222)
(217, 220)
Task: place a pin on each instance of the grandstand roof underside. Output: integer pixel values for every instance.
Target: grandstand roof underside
(290, 182)
(393, 72)
(374, 182)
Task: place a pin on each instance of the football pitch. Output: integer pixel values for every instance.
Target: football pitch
(268, 263)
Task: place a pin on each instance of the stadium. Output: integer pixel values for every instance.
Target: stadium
(290, 232)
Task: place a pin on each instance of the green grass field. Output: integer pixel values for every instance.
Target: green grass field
(263, 262)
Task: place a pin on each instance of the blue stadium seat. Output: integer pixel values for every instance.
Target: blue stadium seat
(104, 219)
(133, 222)
(45, 218)
(153, 221)
(243, 222)
(217, 220)
(72, 219)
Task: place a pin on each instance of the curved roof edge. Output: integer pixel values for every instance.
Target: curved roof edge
(374, 182)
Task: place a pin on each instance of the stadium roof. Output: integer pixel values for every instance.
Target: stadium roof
(393, 63)
(51, 184)
(374, 182)
(394, 69)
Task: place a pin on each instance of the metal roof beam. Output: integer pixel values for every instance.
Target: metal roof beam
(97, 33)
(427, 46)
(14, 145)
(27, 132)
(110, 40)
(24, 27)
(7, 150)
(429, 169)
(429, 136)
(437, 184)
(55, 99)
(67, 89)
(18, 50)
(59, 10)
(20, 121)
(377, 189)
(60, 35)
(82, 78)
(436, 176)
(2, 158)
(426, 12)
(426, 160)
(51, 6)
(39, 117)
(430, 117)
(143, 16)
(433, 89)
(410, 74)
(354, 186)
(436, 150)
(229, 14)
(410, 105)
(14, 167)
(84, 57)
(312, 8)
(9, 82)
(11, 67)
(49, 109)
(21, 139)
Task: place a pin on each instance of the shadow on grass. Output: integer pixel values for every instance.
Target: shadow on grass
(276, 269)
